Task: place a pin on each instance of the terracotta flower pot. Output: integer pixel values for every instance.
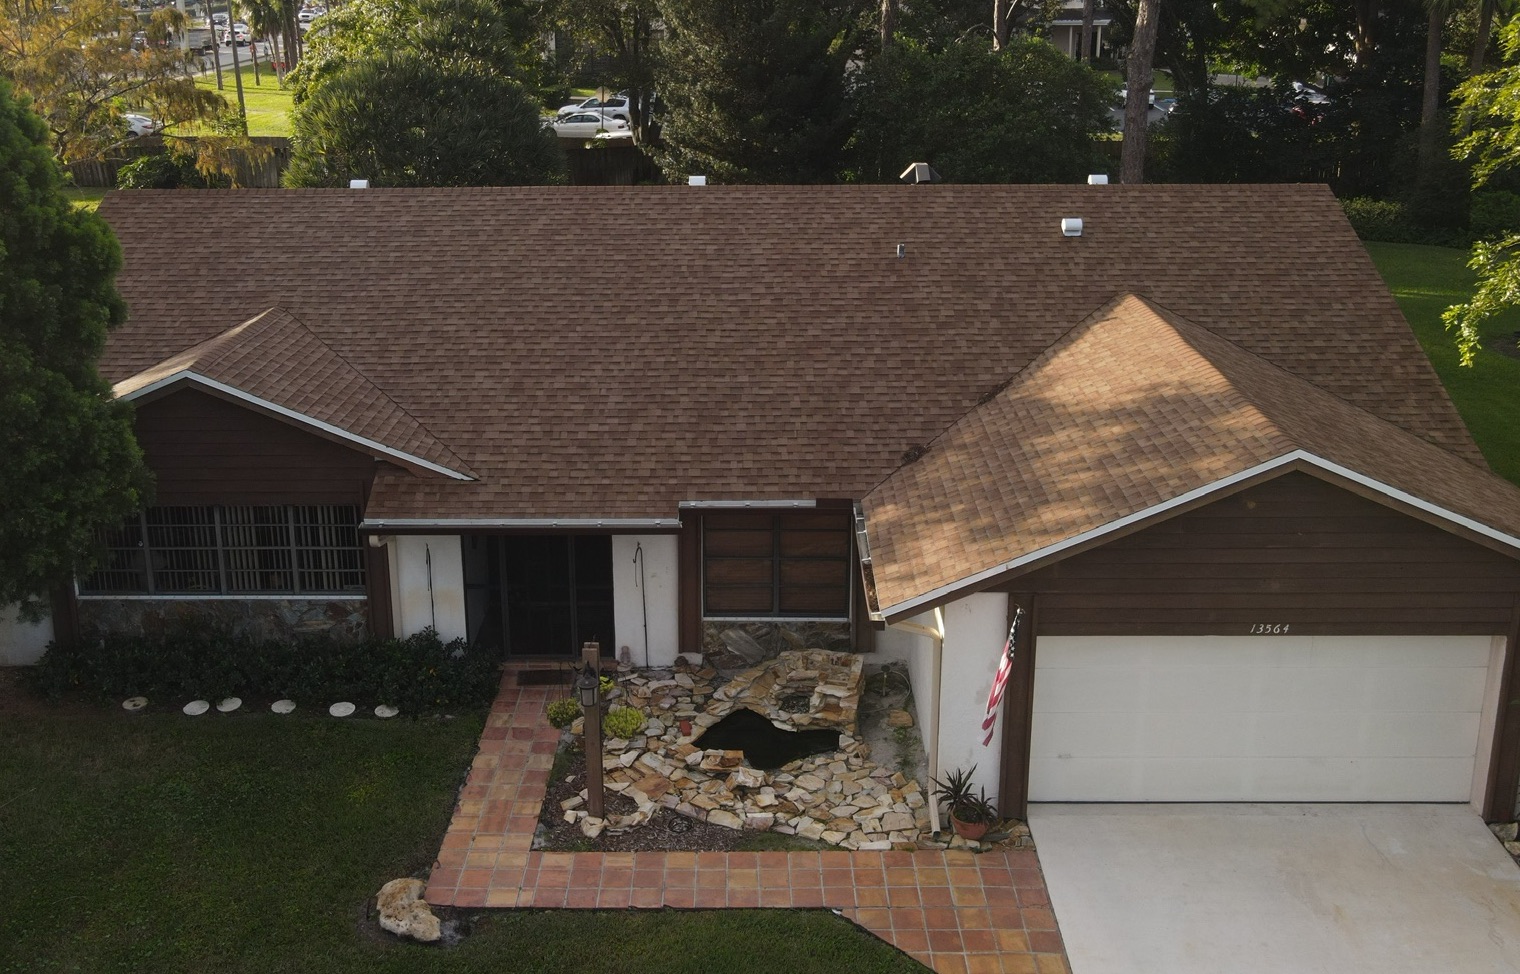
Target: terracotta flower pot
(969, 830)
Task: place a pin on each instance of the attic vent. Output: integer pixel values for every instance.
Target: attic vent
(1071, 226)
(696, 180)
(358, 184)
(919, 172)
(1098, 179)
(914, 452)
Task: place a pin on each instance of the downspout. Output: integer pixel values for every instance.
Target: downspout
(937, 639)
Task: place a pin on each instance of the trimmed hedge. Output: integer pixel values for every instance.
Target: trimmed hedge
(419, 674)
(1389, 222)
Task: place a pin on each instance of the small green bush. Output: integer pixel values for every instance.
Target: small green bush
(562, 712)
(1389, 222)
(623, 722)
(418, 674)
(1494, 213)
(164, 170)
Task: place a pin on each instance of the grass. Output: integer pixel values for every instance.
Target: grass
(253, 843)
(1425, 281)
(85, 197)
(268, 104)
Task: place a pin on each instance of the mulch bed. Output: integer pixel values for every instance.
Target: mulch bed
(665, 832)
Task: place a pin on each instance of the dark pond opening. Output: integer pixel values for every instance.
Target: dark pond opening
(765, 745)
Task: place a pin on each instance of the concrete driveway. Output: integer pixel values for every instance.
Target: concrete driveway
(1286, 889)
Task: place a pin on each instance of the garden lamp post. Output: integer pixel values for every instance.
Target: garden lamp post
(589, 687)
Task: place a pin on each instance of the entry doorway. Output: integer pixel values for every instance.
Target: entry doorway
(539, 595)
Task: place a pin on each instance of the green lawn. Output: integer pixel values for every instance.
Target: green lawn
(85, 197)
(268, 104)
(252, 843)
(1425, 281)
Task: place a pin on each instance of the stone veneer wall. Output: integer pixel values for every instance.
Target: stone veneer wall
(257, 618)
(775, 638)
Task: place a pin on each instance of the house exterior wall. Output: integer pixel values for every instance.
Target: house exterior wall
(206, 450)
(653, 598)
(428, 584)
(22, 643)
(1294, 551)
(282, 617)
(975, 628)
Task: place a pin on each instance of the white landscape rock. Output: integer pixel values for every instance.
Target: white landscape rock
(228, 704)
(403, 912)
(283, 706)
(134, 703)
(197, 707)
(341, 709)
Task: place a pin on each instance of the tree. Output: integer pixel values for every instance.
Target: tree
(83, 65)
(71, 465)
(1024, 114)
(756, 88)
(1137, 99)
(621, 33)
(1489, 105)
(403, 119)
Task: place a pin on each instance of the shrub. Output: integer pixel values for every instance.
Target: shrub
(418, 674)
(163, 170)
(1495, 213)
(623, 722)
(562, 712)
(1381, 220)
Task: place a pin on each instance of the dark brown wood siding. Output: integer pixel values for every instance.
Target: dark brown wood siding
(206, 450)
(1294, 552)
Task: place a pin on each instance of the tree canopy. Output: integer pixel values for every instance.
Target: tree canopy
(755, 89)
(1024, 114)
(71, 464)
(83, 65)
(404, 120)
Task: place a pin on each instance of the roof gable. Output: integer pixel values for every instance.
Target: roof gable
(1134, 415)
(273, 363)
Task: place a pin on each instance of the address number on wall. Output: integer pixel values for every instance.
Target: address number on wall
(1270, 629)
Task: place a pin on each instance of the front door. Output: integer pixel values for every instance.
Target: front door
(542, 595)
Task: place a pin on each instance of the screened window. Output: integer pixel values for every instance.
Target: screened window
(795, 565)
(233, 550)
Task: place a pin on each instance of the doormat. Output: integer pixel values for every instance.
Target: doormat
(544, 678)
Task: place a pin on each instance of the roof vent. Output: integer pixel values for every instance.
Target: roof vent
(902, 251)
(919, 172)
(1098, 179)
(696, 180)
(358, 184)
(1071, 226)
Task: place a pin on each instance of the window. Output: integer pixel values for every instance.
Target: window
(236, 550)
(791, 565)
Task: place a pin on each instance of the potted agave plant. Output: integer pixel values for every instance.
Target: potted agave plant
(971, 812)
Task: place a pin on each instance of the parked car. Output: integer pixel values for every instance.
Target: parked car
(585, 125)
(140, 125)
(240, 31)
(614, 107)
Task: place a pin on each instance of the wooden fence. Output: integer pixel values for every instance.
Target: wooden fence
(261, 173)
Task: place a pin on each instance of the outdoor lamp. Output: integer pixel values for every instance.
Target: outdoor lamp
(587, 685)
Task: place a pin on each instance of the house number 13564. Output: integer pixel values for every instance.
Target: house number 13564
(1269, 629)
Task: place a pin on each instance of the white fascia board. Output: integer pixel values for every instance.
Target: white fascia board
(567, 523)
(291, 414)
(912, 606)
(700, 505)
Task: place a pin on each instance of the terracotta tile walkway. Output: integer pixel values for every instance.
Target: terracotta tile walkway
(953, 911)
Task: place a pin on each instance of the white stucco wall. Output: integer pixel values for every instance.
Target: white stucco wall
(917, 652)
(661, 595)
(975, 628)
(22, 643)
(416, 605)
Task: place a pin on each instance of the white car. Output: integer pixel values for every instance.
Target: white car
(240, 31)
(585, 125)
(614, 107)
(140, 125)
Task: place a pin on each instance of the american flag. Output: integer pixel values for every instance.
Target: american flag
(1000, 682)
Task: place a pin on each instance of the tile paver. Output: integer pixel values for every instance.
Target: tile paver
(954, 911)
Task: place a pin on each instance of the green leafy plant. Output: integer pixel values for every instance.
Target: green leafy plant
(623, 722)
(606, 685)
(562, 712)
(972, 807)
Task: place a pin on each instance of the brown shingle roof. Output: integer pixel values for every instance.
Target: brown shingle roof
(274, 358)
(1133, 409)
(609, 352)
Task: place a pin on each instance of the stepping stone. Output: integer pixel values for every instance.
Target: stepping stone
(283, 706)
(196, 707)
(134, 704)
(341, 709)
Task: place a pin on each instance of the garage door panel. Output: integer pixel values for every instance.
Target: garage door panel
(1257, 719)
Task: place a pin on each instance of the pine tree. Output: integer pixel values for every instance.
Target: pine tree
(71, 465)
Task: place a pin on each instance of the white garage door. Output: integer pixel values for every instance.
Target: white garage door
(1269, 718)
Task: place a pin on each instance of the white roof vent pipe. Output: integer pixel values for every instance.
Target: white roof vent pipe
(1071, 226)
(1098, 179)
(696, 180)
(358, 184)
(919, 172)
